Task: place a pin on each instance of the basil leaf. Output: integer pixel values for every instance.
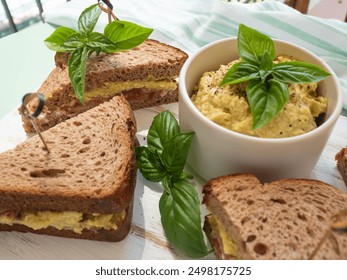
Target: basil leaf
(126, 34)
(56, 40)
(77, 71)
(180, 217)
(266, 62)
(88, 19)
(149, 165)
(252, 45)
(163, 128)
(240, 72)
(179, 204)
(97, 40)
(266, 100)
(298, 72)
(74, 41)
(185, 176)
(265, 66)
(167, 184)
(175, 152)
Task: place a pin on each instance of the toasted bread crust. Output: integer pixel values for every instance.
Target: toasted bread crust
(341, 163)
(284, 219)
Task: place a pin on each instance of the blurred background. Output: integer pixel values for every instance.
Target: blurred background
(16, 15)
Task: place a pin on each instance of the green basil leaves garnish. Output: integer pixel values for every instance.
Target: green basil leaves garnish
(56, 40)
(298, 72)
(77, 70)
(118, 36)
(241, 72)
(126, 34)
(163, 128)
(163, 161)
(88, 19)
(180, 217)
(267, 82)
(252, 45)
(266, 100)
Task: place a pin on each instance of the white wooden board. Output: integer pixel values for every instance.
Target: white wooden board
(146, 239)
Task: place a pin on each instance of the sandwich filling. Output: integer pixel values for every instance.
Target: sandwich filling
(228, 246)
(67, 220)
(110, 88)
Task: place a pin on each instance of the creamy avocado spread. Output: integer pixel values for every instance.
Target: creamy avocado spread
(227, 106)
(68, 220)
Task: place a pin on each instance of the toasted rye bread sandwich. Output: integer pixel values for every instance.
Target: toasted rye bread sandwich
(145, 75)
(285, 219)
(341, 163)
(84, 187)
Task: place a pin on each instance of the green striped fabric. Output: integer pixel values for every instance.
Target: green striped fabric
(190, 24)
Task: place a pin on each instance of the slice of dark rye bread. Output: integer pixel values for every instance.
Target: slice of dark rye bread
(91, 168)
(341, 163)
(151, 60)
(285, 219)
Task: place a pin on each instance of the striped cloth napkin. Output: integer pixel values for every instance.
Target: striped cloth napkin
(191, 24)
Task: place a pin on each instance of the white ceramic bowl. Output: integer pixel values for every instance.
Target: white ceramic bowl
(217, 151)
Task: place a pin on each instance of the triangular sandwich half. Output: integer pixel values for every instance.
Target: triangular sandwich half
(84, 187)
(145, 75)
(285, 219)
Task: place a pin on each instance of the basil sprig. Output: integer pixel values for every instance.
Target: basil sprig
(267, 82)
(118, 36)
(163, 161)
